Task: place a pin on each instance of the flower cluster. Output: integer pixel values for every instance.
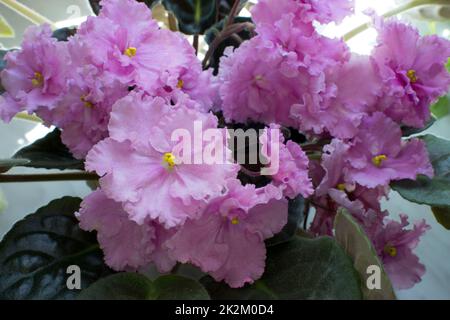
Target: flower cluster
(292, 75)
(122, 86)
(118, 89)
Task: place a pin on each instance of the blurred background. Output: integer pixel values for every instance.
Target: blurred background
(18, 200)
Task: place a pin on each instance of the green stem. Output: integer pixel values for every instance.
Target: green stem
(405, 7)
(75, 176)
(222, 36)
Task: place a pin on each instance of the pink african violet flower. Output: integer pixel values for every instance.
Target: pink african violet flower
(34, 75)
(304, 47)
(394, 244)
(323, 221)
(253, 85)
(348, 195)
(227, 240)
(83, 112)
(126, 244)
(305, 11)
(133, 49)
(341, 111)
(292, 174)
(412, 69)
(282, 76)
(8, 107)
(377, 154)
(260, 82)
(140, 164)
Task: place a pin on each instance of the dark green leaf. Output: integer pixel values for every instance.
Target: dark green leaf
(95, 5)
(35, 254)
(409, 131)
(174, 287)
(49, 153)
(6, 164)
(434, 192)
(357, 245)
(120, 286)
(64, 33)
(197, 16)
(233, 41)
(295, 219)
(133, 286)
(2, 66)
(299, 269)
(442, 216)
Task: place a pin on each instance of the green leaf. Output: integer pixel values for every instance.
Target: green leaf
(197, 16)
(6, 164)
(2, 66)
(434, 192)
(295, 218)
(133, 286)
(409, 131)
(48, 153)
(357, 245)
(63, 34)
(300, 269)
(174, 287)
(442, 215)
(35, 254)
(120, 286)
(441, 108)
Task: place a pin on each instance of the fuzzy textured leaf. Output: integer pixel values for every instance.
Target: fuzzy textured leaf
(49, 153)
(434, 192)
(299, 269)
(357, 245)
(133, 286)
(35, 254)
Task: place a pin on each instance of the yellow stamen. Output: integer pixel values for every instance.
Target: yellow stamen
(259, 77)
(379, 159)
(130, 52)
(180, 84)
(390, 250)
(87, 103)
(235, 221)
(169, 160)
(411, 74)
(341, 186)
(38, 79)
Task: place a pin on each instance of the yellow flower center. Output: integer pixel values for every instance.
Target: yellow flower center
(169, 160)
(130, 52)
(411, 74)
(259, 77)
(341, 186)
(180, 84)
(38, 79)
(235, 221)
(87, 103)
(390, 250)
(377, 160)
